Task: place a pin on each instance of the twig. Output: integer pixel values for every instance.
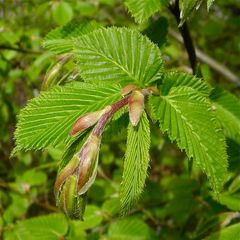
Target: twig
(185, 35)
(20, 49)
(230, 76)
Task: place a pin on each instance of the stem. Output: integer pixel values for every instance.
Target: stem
(19, 49)
(185, 35)
(97, 131)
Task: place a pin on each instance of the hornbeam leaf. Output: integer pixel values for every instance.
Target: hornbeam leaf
(175, 79)
(186, 115)
(143, 9)
(209, 4)
(118, 55)
(136, 163)
(60, 39)
(48, 118)
(187, 7)
(227, 108)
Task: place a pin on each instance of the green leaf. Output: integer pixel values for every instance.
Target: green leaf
(187, 117)
(232, 232)
(60, 39)
(187, 7)
(209, 4)
(176, 79)
(118, 54)
(48, 118)
(130, 228)
(227, 108)
(49, 227)
(62, 12)
(136, 163)
(143, 9)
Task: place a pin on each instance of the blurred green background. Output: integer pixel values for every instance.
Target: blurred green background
(174, 205)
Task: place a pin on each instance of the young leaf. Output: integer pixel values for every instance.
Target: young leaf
(187, 7)
(118, 54)
(175, 79)
(209, 4)
(231, 232)
(187, 117)
(136, 163)
(143, 9)
(48, 118)
(62, 12)
(52, 226)
(130, 228)
(227, 108)
(60, 39)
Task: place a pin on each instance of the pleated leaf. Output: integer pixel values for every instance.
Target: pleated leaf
(49, 227)
(141, 10)
(130, 228)
(48, 118)
(227, 108)
(136, 163)
(187, 117)
(187, 7)
(210, 3)
(176, 79)
(118, 55)
(60, 39)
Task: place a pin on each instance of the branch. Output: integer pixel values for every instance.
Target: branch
(20, 49)
(185, 35)
(218, 67)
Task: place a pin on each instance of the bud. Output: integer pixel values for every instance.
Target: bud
(87, 121)
(66, 172)
(87, 170)
(128, 89)
(53, 71)
(76, 178)
(136, 107)
(69, 202)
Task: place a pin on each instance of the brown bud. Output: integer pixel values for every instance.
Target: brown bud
(69, 201)
(128, 89)
(87, 121)
(136, 107)
(67, 171)
(87, 170)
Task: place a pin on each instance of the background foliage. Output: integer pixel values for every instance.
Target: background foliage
(174, 205)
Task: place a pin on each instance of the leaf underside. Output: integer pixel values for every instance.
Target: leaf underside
(136, 163)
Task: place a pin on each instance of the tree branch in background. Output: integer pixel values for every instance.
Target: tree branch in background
(218, 67)
(19, 49)
(185, 35)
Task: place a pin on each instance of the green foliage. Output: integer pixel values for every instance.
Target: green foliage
(118, 55)
(185, 114)
(60, 39)
(210, 3)
(173, 205)
(143, 9)
(50, 227)
(47, 119)
(186, 7)
(231, 232)
(136, 163)
(130, 228)
(227, 108)
(62, 12)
